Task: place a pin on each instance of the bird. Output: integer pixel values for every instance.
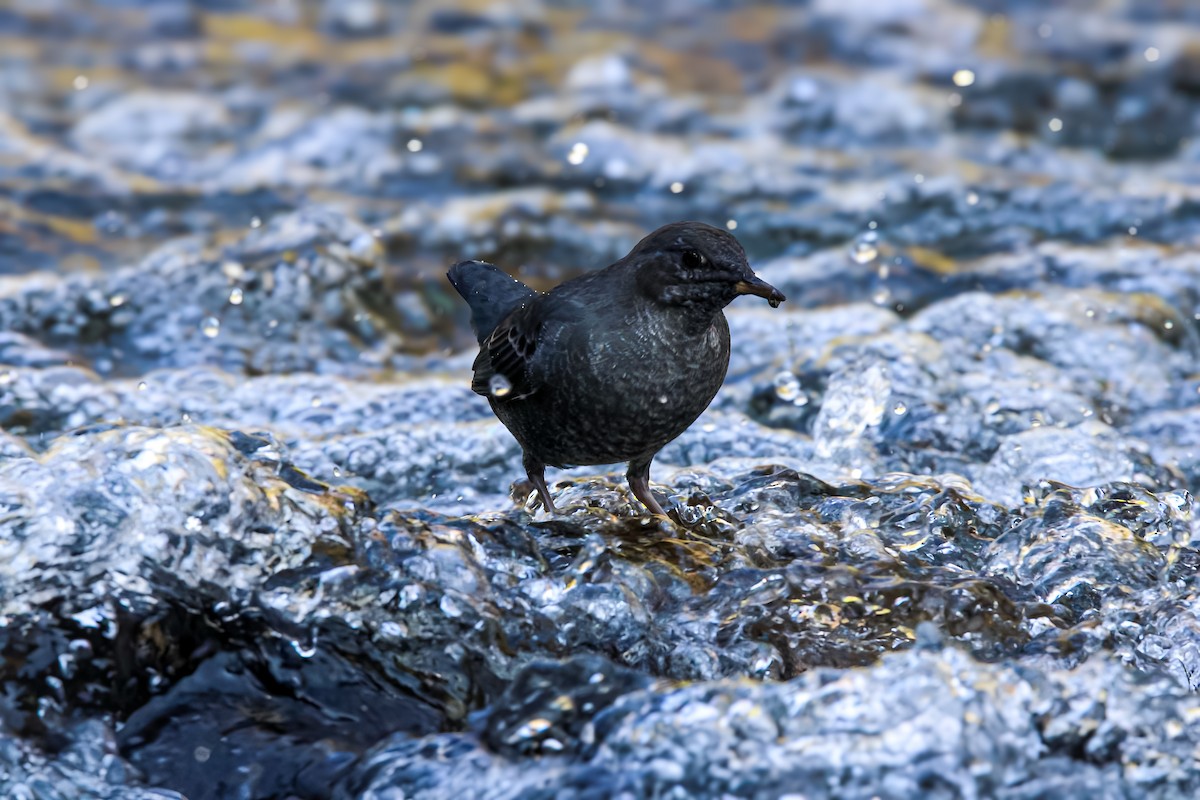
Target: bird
(610, 366)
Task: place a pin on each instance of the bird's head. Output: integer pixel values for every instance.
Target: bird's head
(696, 266)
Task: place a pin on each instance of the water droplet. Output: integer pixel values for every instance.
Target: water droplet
(316, 402)
(337, 472)
(1151, 54)
(788, 389)
(1045, 30)
(882, 297)
(954, 100)
(255, 222)
(415, 145)
(7, 376)
(972, 199)
(449, 607)
(899, 409)
(676, 187)
(532, 728)
(201, 754)
(141, 387)
(731, 224)
(963, 78)
(578, 153)
(1168, 324)
(865, 248)
(1055, 125)
(81, 82)
(192, 523)
(233, 270)
(992, 407)
(185, 418)
(210, 327)
(235, 296)
(1133, 230)
(918, 178)
(117, 300)
(662, 398)
(499, 386)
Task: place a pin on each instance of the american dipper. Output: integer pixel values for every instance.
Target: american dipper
(610, 366)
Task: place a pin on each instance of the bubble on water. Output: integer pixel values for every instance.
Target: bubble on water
(315, 402)
(141, 387)
(235, 296)
(202, 754)
(899, 408)
(865, 248)
(337, 472)
(210, 327)
(499, 386)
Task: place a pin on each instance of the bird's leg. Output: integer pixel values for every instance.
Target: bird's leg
(639, 482)
(536, 471)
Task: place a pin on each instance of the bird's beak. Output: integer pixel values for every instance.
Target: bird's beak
(756, 285)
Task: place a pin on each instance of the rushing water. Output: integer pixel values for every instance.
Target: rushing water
(935, 538)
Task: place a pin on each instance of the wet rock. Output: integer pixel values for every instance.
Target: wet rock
(176, 129)
(917, 733)
(243, 311)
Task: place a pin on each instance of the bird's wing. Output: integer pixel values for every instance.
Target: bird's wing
(502, 368)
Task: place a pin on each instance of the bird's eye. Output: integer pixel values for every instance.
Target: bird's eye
(692, 259)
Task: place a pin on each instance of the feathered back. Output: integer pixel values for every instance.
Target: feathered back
(490, 292)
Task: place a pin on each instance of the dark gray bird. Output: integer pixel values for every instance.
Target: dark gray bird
(610, 366)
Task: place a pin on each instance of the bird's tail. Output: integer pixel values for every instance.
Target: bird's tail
(489, 292)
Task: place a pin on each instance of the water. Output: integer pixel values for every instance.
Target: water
(258, 537)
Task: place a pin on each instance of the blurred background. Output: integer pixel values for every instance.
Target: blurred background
(550, 135)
